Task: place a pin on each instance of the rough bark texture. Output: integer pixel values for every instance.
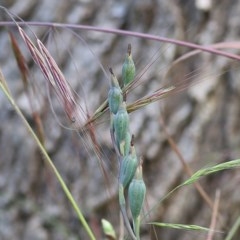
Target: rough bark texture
(203, 120)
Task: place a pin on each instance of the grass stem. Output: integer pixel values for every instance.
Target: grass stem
(48, 159)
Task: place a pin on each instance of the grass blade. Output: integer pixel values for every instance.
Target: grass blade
(233, 230)
(199, 174)
(207, 171)
(48, 159)
(180, 226)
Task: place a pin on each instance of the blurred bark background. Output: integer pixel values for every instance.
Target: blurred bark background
(203, 119)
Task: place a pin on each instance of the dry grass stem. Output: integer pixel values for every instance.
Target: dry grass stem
(186, 167)
(55, 77)
(214, 216)
(21, 62)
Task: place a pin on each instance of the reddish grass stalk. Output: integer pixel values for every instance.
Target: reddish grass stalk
(186, 167)
(126, 33)
(23, 68)
(214, 216)
(21, 62)
(54, 76)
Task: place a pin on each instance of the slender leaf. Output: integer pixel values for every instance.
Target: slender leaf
(180, 226)
(207, 171)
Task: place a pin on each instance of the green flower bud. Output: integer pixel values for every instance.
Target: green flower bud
(108, 229)
(128, 168)
(121, 124)
(128, 69)
(115, 97)
(136, 193)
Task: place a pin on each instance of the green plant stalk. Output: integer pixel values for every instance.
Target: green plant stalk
(136, 225)
(49, 161)
(233, 230)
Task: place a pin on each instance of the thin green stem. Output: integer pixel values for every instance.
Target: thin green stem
(49, 161)
(233, 230)
(136, 223)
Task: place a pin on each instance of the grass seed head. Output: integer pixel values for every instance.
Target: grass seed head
(115, 98)
(128, 167)
(121, 123)
(55, 77)
(128, 68)
(136, 193)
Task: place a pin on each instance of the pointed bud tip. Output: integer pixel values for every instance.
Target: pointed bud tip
(111, 71)
(132, 140)
(129, 49)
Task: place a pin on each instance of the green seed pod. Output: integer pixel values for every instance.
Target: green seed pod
(115, 97)
(108, 229)
(128, 168)
(136, 193)
(121, 124)
(128, 69)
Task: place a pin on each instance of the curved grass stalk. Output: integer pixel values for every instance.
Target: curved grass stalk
(199, 174)
(67, 192)
(123, 33)
(209, 170)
